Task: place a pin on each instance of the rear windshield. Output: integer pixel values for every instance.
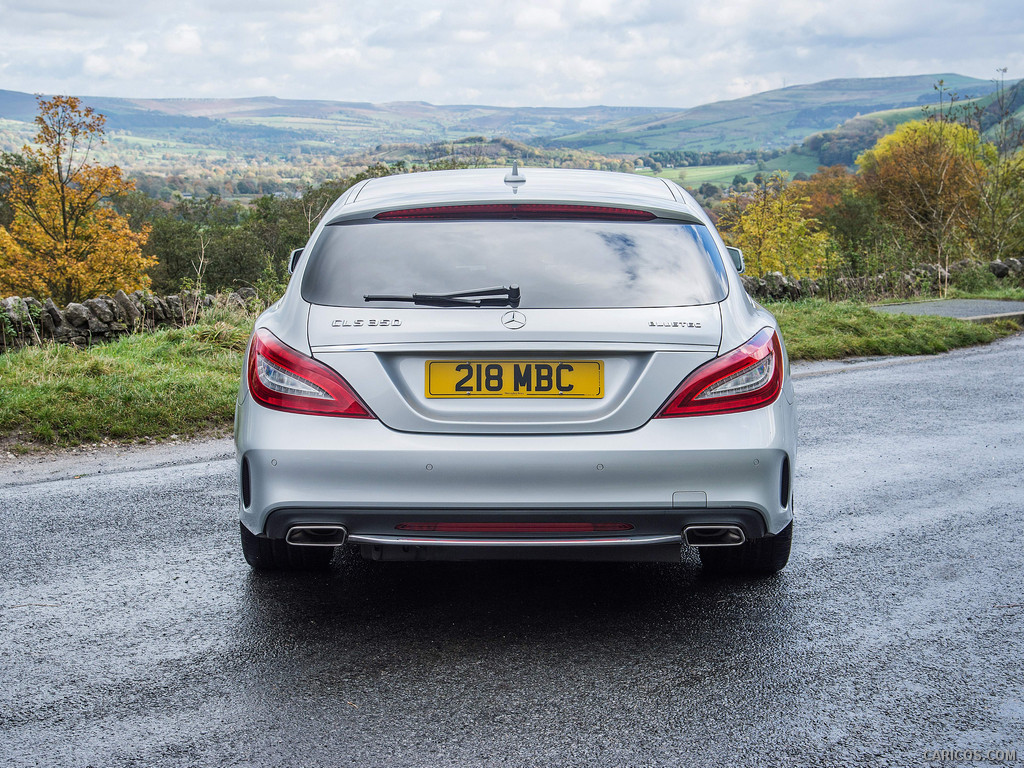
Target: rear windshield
(556, 264)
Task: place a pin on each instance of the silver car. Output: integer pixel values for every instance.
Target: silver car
(548, 364)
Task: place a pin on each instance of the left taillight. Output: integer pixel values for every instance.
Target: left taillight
(743, 379)
(286, 380)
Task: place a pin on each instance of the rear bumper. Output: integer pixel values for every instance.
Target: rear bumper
(360, 474)
(653, 535)
(381, 526)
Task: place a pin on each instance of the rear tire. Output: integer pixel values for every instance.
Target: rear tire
(265, 554)
(755, 557)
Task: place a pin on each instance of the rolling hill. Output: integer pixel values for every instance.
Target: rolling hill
(267, 143)
(334, 125)
(766, 120)
(769, 120)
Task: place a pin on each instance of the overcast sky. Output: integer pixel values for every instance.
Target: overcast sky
(522, 53)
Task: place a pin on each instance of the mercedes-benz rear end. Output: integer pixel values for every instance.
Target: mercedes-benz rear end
(469, 365)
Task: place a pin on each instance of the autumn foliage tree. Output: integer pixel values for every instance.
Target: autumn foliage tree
(923, 176)
(997, 228)
(770, 227)
(64, 240)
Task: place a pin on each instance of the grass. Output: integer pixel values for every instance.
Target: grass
(695, 175)
(815, 329)
(171, 382)
(183, 382)
(1003, 293)
(722, 175)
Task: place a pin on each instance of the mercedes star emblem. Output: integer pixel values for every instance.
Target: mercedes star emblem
(513, 320)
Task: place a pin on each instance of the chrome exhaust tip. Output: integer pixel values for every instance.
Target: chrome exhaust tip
(316, 535)
(714, 535)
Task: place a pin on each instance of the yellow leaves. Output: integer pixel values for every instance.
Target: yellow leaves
(921, 139)
(772, 232)
(17, 272)
(66, 241)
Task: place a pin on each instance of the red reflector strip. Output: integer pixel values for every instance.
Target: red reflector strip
(514, 527)
(518, 211)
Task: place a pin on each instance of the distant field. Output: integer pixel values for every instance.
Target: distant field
(694, 176)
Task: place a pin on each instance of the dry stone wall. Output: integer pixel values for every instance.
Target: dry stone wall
(778, 287)
(27, 321)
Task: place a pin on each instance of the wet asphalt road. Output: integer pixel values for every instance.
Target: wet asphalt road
(966, 308)
(133, 634)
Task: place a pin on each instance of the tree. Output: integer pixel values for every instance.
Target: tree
(772, 231)
(922, 175)
(707, 189)
(240, 246)
(997, 228)
(64, 239)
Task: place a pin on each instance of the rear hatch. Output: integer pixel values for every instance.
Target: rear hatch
(610, 317)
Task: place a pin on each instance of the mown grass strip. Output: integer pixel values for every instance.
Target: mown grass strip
(1002, 293)
(183, 382)
(822, 330)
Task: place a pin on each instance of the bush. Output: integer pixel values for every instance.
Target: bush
(972, 277)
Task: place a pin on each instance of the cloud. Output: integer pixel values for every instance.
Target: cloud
(645, 52)
(184, 40)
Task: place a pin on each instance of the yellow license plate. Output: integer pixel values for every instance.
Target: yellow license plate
(515, 378)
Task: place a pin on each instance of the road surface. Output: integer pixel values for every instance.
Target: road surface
(132, 633)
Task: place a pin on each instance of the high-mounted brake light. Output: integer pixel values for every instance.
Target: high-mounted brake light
(287, 380)
(744, 379)
(518, 211)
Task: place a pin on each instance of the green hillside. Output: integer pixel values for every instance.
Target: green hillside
(770, 120)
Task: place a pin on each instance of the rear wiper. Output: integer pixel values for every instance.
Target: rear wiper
(499, 296)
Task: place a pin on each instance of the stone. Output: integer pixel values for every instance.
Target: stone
(134, 299)
(77, 315)
(148, 307)
(779, 286)
(998, 268)
(964, 265)
(38, 321)
(100, 309)
(55, 314)
(246, 293)
(46, 326)
(175, 310)
(97, 326)
(10, 308)
(132, 316)
(810, 287)
(160, 313)
(119, 316)
(1014, 265)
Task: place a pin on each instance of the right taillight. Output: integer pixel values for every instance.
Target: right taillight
(743, 379)
(284, 379)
